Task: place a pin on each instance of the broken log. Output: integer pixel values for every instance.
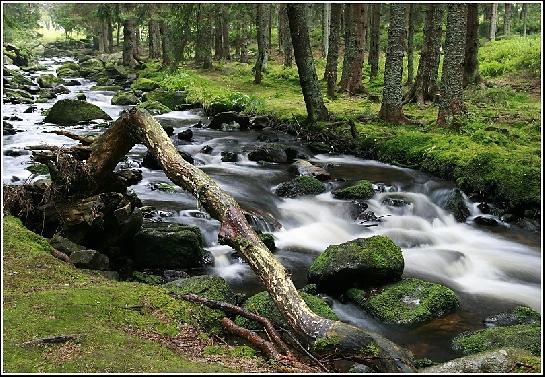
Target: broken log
(83, 139)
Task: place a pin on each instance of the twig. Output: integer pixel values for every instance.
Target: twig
(83, 139)
(51, 340)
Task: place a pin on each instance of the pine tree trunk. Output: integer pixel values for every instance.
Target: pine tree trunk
(425, 88)
(392, 95)
(494, 22)
(136, 50)
(507, 19)
(110, 34)
(471, 61)
(203, 43)
(137, 126)
(165, 45)
(99, 27)
(287, 48)
(269, 25)
(374, 45)
(262, 27)
(326, 28)
(154, 34)
(333, 51)
(117, 34)
(225, 31)
(316, 109)
(451, 103)
(128, 42)
(349, 45)
(413, 9)
(218, 33)
(524, 18)
(359, 18)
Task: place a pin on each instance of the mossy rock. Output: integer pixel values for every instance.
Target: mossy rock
(154, 107)
(68, 112)
(457, 205)
(362, 190)
(262, 304)
(519, 315)
(268, 240)
(106, 88)
(124, 99)
(145, 85)
(49, 81)
(69, 69)
(361, 262)
(170, 99)
(92, 68)
(409, 302)
(527, 336)
(210, 287)
(300, 186)
(38, 169)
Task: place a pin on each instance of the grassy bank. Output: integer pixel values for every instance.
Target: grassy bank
(118, 326)
(495, 150)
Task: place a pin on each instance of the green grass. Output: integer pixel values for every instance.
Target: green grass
(46, 297)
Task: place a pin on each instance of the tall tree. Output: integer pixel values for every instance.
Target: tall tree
(333, 50)
(392, 96)
(128, 41)
(154, 32)
(425, 85)
(355, 65)
(262, 18)
(204, 36)
(374, 40)
(316, 109)
(326, 28)
(225, 31)
(493, 22)
(218, 32)
(451, 103)
(165, 43)
(507, 19)
(349, 45)
(471, 61)
(524, 18)
(413, 9)
(285, 37)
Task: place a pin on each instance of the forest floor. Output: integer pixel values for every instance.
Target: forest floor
(494, 151)
(110, 326)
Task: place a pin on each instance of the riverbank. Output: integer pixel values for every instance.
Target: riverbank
(494, 154)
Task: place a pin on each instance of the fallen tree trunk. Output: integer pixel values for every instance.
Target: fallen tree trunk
(137, 126)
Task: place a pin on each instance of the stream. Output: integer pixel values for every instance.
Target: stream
(491, 269)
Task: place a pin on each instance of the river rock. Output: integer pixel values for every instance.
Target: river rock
(168, 246)
(503, 360)
(262, 304)
(68, 112)
(272, 153)
(207, 149)
(185, 135)
(124, 99)
(17, 56)
(229, 156)
(409, 302)
(92, 68)
(144, 84)
(519, 315)
(154, 107)
(262, 221)
(319, 147)
(30, 109)
(16, 96)
(306, 169)
(90, 259)
(64, 245)
(151, 163)
(457, 205)
(300, 186)
(260, 122)
(173, 99)
(361, 190)
(81, 97)
(395, 202)
(69, 69)
(172, 275)
(268, 136)
(60, 89)
(359, 263)
(48, 81)
(228, 117)
(485, 221)
(268, 240)
(15, 152)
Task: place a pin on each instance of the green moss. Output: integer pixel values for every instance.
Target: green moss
(69, 69)
(263, 305)
(407, 303)
(43, 296)
(370, 350)
(146, 278)
(106, 88)
(68, 112)
(268, 240)
(49, 81)
(144, 84)
(124, 98)
(169, 98)
(154, 107)
(37, 168)
(526, 314)
(361, 190)
(525, 336)
(527, 364)
(238, 351)
(325, 344)
(300, 186)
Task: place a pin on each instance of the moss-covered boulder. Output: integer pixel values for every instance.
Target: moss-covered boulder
(268, 240)
(527, 336)
(49, 81)
(263, 305)
(519, 315)
(124, 99)
(362, 190)
(457, 205)
(69, 69)
(169, 98)
(38, 169)
(210, 287)
(106, 88)
(92, 68)
(362, 262)
(154, 107)
(270, 153)
(68, 112)
(409, 302)
(168, 246)
(144, 84)
(300, 186)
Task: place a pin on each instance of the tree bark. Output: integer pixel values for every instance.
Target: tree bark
(203, 44)
(359, 18)
(128, 42)
(425, 85)
(218, 32)
(451, 103)
(349, 45)
(413, 9)
(136, 51)
(110, 33)
(316, 109)
(262, 27)
(524, 18)
(374, 45)
(471, 61)
(99, 27)
(326, 28)
(164, 43)
(154, 34)
(507, 19)
(333, 50)
(392, 95)
(285, 39)
(137, 126)
(225, 31)
(493, 22)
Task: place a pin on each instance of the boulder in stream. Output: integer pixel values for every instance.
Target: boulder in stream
(267, 152)
(68, 112)
(49, 81)
(144, 84)
(457, 205)
(306, 169)
(519, 315)
(168, 246)
(172, 99)
(154, 107)
(227, 117)
(300, 186)
(359, 263)
(361, 190)
(69, 69)
(268, 240)
(124, 99)
(227, 156)
(409, 302)
(185, 135)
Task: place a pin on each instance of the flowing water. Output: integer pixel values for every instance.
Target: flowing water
(490, 268)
